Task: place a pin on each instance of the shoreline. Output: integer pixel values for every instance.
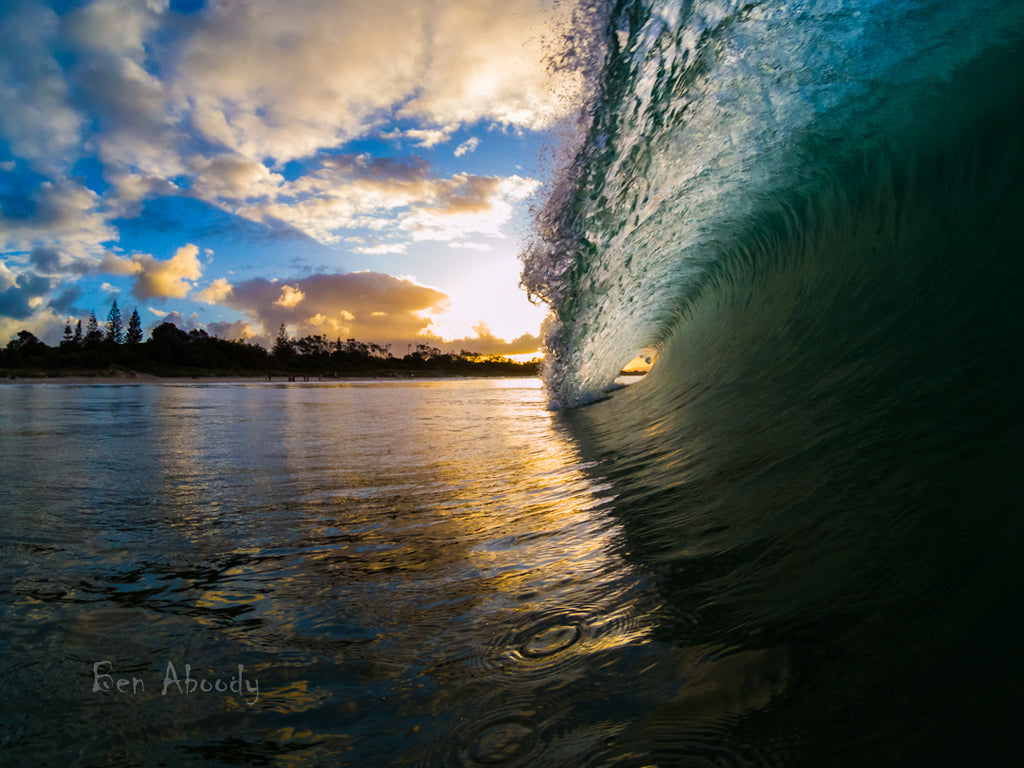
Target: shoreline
(131, 377)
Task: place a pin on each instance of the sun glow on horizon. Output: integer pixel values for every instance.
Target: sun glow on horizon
(245, 166)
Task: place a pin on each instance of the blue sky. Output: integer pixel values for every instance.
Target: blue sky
(358, 168)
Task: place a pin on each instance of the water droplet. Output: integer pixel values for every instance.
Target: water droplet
(502, 742)
(551, 641)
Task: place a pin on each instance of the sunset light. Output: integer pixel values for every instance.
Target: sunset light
(191, 161)
(295, 473)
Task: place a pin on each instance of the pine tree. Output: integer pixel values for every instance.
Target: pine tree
(78, 332)
(93, 334)
(115, 328)
(69, 337)
(282, 345)
(134, 334)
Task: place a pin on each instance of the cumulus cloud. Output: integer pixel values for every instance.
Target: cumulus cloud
(363, 305)
(216, 292)
(114, 81)
(387, 195)
(129, 189)
(55, 212)
(283, 80)
(211, 98)
(7, 277)
(471, 246)
(112, 264)
(122, 101)
(369, 306)
(470, 205)
(167, 279)
(423, 137)
(46, 261)
(486, 343)
(238, 330)
(190, 323)
(24, 297)
(65, 302)
(23, 294)
(44, 323)
(291, 296)
(230, 177)
(45, 128)
(469, 145)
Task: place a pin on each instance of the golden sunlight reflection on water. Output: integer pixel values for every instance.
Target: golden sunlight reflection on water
(373, 553)
(416, 573)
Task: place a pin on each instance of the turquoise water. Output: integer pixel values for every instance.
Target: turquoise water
(797, 152)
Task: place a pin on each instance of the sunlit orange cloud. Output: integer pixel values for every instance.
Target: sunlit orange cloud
(368, 306)
(486, 343)
(167, 279)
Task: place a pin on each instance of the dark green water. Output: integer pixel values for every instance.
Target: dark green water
(811, 211)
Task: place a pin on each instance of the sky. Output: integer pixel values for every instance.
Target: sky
(354, 168)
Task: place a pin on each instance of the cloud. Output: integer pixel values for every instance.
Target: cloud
(112, 264)
(7, 277)
(167, 279)
(486, 343)
(115, 102)
(58, 215)
(469, 145)
(238, 330)
(343, 193)
(189, 323)
(214, 104)
(46, 261)
(44, 128)
(365, 305)
(290, 297)
(471, 246)
(230, 177)
(130, 189)
(266, 79)
(115, 80)
(216, 292)
(44, 323)
(65, 302)
(22, 295)
(470, 205)
(368, 306)
(423, 137)
(382, 249)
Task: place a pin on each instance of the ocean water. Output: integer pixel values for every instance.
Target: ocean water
(412, 573)
(812, 213)
(798, 541)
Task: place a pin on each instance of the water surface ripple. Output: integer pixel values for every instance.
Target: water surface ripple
(418, 573)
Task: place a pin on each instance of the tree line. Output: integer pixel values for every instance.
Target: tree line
(170, 351)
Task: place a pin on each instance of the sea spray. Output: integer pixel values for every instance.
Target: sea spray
(713, 115)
